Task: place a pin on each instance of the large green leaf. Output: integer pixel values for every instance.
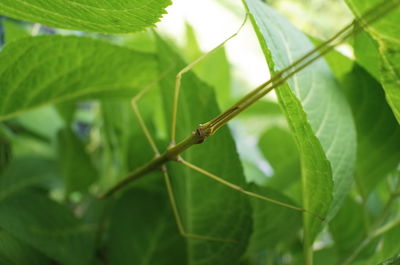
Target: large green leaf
(386, 32)
(110, 16)
(220, 79)
(16, 252)
(143, 231)
(279, 148)
(273, 225)
(25, 172)
(75, 163)
(318, 114)
(378, 151)
(51, 69)
(47, 226)
(348, 235)
(208, 208)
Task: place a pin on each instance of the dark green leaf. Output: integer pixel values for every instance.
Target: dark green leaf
(208, 208)
(206, 69)
(19, 253)
(273, 225)
(279, 148)
(110, 16)
(378, 150)
(395, 260)
(53, 69)
(143, 231)
(26, 172)
(47, 226)
(348, 235)
(75, 163)
(386, 32)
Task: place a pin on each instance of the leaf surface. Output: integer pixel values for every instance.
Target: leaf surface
(108, 16)
(25, 172)
(143, 230)
(208, 208)
(273, 224)
(52, 229)
(318, 114)
(378, 148)
(19, 253)
(386, 32)
(76, 165)
(51, 69)
(279, 148)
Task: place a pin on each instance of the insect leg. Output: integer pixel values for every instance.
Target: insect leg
(249, 193)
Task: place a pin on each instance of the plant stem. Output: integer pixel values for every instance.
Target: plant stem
(208, 129)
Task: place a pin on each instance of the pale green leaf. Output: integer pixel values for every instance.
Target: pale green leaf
(47, 226)
(318, 114)
(208, 208)
(111, 16)
(378, 148)
(52, 69)
(143, 231)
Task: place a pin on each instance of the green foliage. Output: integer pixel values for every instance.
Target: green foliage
(95, 15)
(328, 147)
(67, 68)
(386, 32)
(199, 197)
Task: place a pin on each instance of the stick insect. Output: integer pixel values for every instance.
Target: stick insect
(204, 131)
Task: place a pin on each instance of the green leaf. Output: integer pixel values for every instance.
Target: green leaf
(14, 30)
(348, 235)
(124, 150)
(395, 260)
(386, 32)
(220, 79)
(207, 208)
(318, 114)
(273, 224)
(5, 151)
(52, 69)
(75, 163)
(47, 226)
(390, 244)
(111, 16)
(19, 253)
(143, 230)
(339, 63)
(279, 148)
(25, 172)
(378, 148)
(367, 54)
